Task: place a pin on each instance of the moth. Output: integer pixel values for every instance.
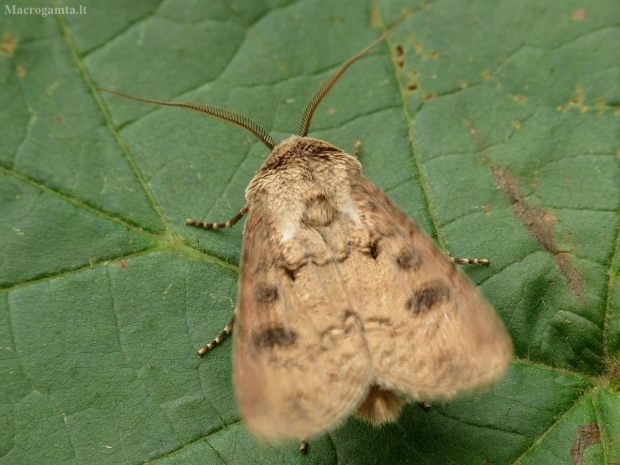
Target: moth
(345, 307)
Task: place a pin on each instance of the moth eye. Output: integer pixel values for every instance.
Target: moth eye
(275, 336)
(264, 293)
(408, 259)
(425, 299)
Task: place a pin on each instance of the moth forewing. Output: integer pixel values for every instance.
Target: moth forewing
(345, 307)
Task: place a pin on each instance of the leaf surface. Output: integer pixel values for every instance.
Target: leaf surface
(494, 125)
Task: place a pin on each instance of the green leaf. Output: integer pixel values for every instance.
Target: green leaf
(496, 129)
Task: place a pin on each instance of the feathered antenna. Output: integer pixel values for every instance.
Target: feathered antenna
(222, 113)
(252, 126)
(304, 124)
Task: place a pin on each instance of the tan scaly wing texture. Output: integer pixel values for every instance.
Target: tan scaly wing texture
(339, 292)
(431, 334)
(300, 362)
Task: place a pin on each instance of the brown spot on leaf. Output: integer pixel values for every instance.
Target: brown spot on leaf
(399, 54)
(600, 106)
(122, 265)
(428, 297)
(7, 45)
(374, 17)
(275, 336)
(579, 15)
(586, 436)
(573, 278)
(540, 225)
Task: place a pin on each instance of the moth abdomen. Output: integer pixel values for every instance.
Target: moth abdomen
(380, 406)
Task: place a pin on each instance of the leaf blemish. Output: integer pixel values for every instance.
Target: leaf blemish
(540, 225)
(587, 436)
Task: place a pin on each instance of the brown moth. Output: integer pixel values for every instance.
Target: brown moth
(344, 305)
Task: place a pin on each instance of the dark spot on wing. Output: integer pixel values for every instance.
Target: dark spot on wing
(348, 313)
(275, 336)
(372, 250)
(381, 321)
(408, 259)
(428, 297)
(372, 205)
(265, 293)
(292, 274)
(380, 325)
(351, 320)
(245, 255)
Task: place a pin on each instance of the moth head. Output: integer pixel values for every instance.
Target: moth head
(252, 126)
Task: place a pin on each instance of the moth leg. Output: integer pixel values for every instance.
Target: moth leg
(424, 406)
(229, 224)
(471, 261)
(356, 149)
(303, 448)
(218, 340)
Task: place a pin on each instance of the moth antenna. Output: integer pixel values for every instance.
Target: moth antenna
(304, 124)
(222, 113)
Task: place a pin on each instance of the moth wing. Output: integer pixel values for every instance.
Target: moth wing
(300, 362)
(431, 333)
